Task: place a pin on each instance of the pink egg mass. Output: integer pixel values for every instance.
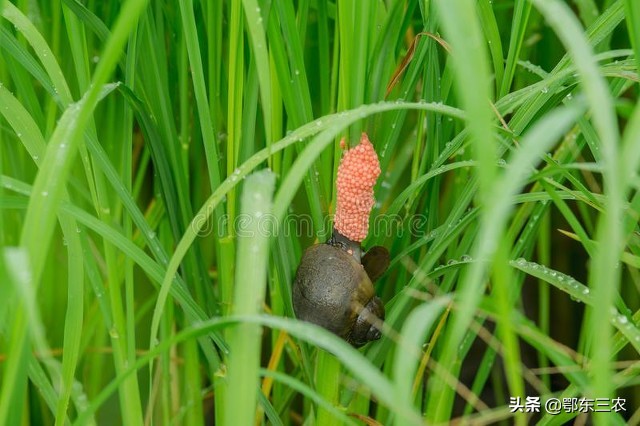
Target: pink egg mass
(357, 174)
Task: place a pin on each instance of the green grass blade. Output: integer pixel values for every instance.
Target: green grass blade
(521, 11)
(460, 25)
(413, 333)
(492, 36)
(309, 393)
(632, 9)
(259, 50)
(249, 293)
(353, 360)
(29, 134)
(328, 372)
(604, 277)
(580, 293)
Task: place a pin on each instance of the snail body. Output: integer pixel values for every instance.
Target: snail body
(333, 289)
(333, 286)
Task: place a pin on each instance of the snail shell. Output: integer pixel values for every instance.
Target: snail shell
(332, 289)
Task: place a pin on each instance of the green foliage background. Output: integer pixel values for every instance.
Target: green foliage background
(143, 144)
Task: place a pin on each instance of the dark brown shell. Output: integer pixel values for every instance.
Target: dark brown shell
(330, 289)
(375, 262)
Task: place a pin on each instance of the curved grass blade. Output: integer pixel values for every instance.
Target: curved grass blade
(580, 293)
(353, 360)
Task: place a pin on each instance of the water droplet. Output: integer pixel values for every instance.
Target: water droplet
(545, 90)
(465, 258)
(502, 162)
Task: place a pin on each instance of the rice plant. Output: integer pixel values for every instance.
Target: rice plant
(165, 165)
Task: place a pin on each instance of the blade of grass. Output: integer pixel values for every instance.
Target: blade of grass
(152, 268)
(632, 9)
(414, 331)
(261, 55)
(492, 36)
(61, 149)
(521, 10)
(581, 293)
(234, 114)
(122, 325)
(353, 360)
(308, 392)
(604, 276)
(245, 339)
(288, 57)
(540, 138)
(14, 378)
(460, 24)
(85, 15)
(27, 131)
(328, 372)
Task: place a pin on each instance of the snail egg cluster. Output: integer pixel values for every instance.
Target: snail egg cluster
(357, 174)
